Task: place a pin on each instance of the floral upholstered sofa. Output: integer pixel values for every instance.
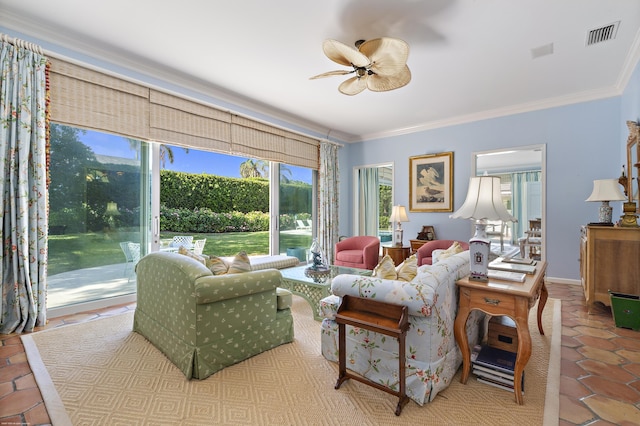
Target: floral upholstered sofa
(432, 355)
(204, 322)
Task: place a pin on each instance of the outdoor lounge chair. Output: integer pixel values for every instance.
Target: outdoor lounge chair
(302, 224)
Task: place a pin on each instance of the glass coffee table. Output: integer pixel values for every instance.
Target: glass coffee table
(295, 280)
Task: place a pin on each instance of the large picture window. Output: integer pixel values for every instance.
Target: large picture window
(100, 210)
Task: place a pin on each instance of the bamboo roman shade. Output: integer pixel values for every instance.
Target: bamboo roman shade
(85, 98)
(254, 139)
(90, 99)
(179, 121)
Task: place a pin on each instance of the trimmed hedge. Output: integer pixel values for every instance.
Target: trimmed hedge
(203, 203)
(208, 221)
(223, 194)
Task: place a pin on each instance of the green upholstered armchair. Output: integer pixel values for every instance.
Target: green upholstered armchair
(204, 322)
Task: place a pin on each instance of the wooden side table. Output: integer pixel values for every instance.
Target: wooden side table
(381, 317)
(416, 244)
(498, 297)
(397, 253)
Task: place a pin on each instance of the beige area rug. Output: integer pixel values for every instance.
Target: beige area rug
(102, 373)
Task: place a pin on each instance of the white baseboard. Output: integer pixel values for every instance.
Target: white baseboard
(568, 281)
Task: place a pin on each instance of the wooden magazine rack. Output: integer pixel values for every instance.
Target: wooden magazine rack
(385, 318)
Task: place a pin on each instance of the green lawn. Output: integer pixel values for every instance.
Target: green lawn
(79, 251)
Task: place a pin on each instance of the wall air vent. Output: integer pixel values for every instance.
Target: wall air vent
(598, 35)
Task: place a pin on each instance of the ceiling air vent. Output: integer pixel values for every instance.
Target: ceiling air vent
(597, 35)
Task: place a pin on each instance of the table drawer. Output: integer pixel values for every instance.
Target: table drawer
(493, 301)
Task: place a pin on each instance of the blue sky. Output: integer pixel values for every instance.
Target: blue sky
(193, 161)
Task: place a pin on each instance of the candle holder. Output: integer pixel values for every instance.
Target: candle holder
(630, 218)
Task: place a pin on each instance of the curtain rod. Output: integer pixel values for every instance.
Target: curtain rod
(21, 43)
(326, 139)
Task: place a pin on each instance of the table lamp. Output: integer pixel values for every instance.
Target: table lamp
(483, 203)
(606, 190)
(398, 214)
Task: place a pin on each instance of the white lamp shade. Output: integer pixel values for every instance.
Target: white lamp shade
(606, 190)
(484, 201)
(399, 214)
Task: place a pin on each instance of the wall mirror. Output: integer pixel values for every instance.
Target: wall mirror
(522, 176)
(633, 164)
(373, 189)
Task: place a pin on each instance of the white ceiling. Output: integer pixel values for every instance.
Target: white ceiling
(470, 59)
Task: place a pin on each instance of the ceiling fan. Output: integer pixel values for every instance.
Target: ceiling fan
(379, 64)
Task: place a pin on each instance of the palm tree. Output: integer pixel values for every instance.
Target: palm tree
(254, 168)
(166, 152)
(260, 168)
(284, 170)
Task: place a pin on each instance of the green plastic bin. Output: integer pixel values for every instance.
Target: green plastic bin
(626, 310)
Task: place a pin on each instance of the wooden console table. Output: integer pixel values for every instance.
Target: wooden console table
(385, 318)
(498, 297)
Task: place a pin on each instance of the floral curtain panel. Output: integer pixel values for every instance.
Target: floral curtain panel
(328, 182)
(369, 196)
(23, 181)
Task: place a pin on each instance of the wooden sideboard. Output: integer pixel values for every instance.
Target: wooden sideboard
(609, 260)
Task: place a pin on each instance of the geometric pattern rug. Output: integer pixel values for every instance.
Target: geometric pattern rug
(102, 373)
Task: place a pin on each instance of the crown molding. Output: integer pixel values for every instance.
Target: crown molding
(501, 112)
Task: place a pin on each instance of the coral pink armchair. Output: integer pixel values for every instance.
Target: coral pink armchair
(358, 252)
(424, 253)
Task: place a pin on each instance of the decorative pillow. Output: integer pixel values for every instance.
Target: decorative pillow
(183, 250)
(217, 265)
(455, 248)
(386, 269)
(435, 255)
(408, 269)
(240, 264)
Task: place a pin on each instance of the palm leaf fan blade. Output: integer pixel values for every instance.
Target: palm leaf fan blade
(353, 86)
(330, 73)
(343, 54)
(388, 56)
(380, 83)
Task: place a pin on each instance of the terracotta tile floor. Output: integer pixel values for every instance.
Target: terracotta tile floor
(599, 384)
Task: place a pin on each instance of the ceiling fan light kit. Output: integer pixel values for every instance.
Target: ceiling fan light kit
(379, 65)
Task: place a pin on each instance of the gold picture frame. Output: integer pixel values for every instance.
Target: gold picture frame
(431, 182)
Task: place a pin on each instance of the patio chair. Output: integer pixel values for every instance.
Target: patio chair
(198, 246)
(497, 229)
(182, 240)
(127, 255)
(131, 252)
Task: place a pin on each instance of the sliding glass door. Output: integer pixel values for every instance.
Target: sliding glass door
(296, 220)
(99, 222)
